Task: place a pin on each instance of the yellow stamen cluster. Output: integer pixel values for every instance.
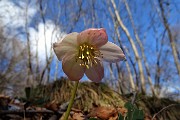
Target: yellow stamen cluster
(88, 55)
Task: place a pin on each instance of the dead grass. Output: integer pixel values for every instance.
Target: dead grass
(99, 94)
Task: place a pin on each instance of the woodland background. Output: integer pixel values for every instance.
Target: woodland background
(148, 31)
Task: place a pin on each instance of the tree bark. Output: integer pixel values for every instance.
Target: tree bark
(141, 48)
(141, 74)
(165, 22)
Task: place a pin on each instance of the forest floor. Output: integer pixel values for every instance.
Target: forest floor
(93, 102)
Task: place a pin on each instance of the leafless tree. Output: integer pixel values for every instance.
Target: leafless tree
(147, 47)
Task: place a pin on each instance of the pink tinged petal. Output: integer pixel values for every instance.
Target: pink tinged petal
(71, 67)
(95, 37)
(68, 43)
(96, 72)
(112, 52)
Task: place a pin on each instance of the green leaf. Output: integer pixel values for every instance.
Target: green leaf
(133, 112)
(28, 92)
(129, 106)
(138, 115)
(120, 117)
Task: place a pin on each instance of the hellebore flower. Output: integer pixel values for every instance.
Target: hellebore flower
(83, 52)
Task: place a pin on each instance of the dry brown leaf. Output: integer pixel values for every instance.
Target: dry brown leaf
(148, 117)
(76, 110)
(103, 112)
(52, 106)
(62, 117)
(78, 116)
(115, 117)
(122, 110)
(38, 108)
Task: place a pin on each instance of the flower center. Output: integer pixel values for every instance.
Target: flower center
(88, 55)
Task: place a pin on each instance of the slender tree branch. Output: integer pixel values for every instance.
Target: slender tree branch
(164, 109)
(29, 64)
(127, 64)
(173, 46)
(141, 73)
(141, 47)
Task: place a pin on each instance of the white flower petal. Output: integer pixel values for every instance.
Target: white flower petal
(95, 37)
(96, 72)
(67, 44)
(71, 67)
(112, 52)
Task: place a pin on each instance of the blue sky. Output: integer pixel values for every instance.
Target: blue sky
(60, 14)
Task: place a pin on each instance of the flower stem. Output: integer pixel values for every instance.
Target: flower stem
(71, 100)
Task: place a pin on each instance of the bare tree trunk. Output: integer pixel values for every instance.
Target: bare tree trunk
(159, 52)
(141, 47)
(141, 74)
(130, 77)
(127, 64)
(120, 79)
(173, 46)
(56, 70)
(29, 65)
(111, 71)
(45, 41)
(37, 62)
(112, 83)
